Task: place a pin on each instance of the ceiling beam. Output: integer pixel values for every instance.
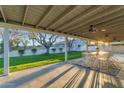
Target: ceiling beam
(114, 31)
(2, 13)
(103, 35)
(106, 25)
(104, 21)
(115, 27)
(109, 24)
(85, 16)
(66, 12)
(110, 21)
(78, 17)
(25, 14)
(117, 35)
(95, 17)
(85, 31)
(107, 20)
(80, 29)
(50, 8)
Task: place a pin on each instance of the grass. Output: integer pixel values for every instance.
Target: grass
(24, 62)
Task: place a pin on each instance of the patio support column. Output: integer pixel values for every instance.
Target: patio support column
(66, 49)
(97, 49)
(86, 51)
(87, 46)
(6, 51)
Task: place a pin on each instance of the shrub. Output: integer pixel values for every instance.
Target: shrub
(53, 49)
(79, 46)
(21, 52)
(60, 49)
(1, 48)
(34, 50)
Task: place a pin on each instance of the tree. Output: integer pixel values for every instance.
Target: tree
(15, 37)
(70, 44)
(47, 40)
(24, 43)
(32, 37)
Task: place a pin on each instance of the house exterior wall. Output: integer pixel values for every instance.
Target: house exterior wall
(114, 49)
(57, 49)
(28, 52)
(78, 45)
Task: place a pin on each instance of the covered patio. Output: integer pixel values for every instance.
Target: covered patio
(99, 25)
(74, 74)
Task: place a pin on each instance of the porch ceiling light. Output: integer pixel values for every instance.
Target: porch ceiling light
(100, 42)
(106, 43)
(103, 30)
(92, 42)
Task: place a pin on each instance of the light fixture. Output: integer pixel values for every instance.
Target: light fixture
(100, 42)
(106, 43)
(92, 42)
(92, 28)
(103, 30)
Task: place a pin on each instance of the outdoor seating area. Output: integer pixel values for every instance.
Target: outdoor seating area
(108, 65)
(75, 73)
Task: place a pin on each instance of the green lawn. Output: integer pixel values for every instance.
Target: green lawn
(24, 62)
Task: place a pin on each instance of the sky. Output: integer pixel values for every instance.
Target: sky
(27, 35)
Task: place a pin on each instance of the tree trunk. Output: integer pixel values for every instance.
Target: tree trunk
(69, 49)
(48, 48)
(33, 42)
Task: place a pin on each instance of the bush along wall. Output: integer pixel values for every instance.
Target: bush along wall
(21, 52)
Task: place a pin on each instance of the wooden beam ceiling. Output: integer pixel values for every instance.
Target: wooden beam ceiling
(71, 8)
(72, 20)
(45, 14)
(2, 13)
(25, 14)
(84, 14)
(95, 17)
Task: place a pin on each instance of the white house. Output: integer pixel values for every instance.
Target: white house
(77, 45)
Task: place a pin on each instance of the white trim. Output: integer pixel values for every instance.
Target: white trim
(32, 29)
(66, 49)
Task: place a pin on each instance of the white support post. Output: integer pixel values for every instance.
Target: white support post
(6, 51)
(86, 53)
(66, 49)
(87, 43)
(97, 51)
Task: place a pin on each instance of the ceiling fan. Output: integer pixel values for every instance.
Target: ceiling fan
(93, 29)
(107, 35)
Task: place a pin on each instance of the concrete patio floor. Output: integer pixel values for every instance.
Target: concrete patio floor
(60, 75)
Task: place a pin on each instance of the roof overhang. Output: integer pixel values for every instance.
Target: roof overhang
(38, 30)
(67, 20)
